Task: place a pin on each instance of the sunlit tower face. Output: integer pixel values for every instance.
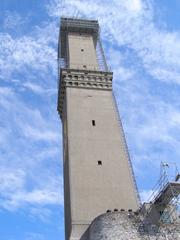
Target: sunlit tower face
(97, 169)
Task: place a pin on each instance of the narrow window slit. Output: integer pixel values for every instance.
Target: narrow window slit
(93, 123)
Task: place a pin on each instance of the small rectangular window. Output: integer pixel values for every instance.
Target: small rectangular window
(93, 122)
(99, 162)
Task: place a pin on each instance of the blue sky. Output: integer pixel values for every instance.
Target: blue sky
(142, 45)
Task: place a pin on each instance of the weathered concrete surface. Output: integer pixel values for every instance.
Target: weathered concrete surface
(127, 226)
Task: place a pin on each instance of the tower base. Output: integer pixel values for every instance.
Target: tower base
(78, 230)
(126, 225)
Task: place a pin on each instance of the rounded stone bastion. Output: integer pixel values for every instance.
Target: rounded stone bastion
(128, 226)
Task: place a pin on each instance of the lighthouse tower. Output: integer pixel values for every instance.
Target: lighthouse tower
(97, 170)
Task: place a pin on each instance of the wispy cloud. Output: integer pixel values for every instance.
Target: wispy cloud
(39, 89)
(29, 137)
(12, 20)
(11, 180)
(29, 142)
(145, 61)
(16, 193)
(43, 213)
(29, 54)
(131, 24)
(40, 134)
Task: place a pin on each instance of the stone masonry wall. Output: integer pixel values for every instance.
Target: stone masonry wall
(128, 226)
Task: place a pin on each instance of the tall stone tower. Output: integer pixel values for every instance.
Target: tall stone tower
(97, 170)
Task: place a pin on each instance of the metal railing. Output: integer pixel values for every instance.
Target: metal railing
(164, 194)
(101, 56)
(126, 149)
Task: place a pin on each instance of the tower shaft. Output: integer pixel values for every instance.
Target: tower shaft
(97, 169)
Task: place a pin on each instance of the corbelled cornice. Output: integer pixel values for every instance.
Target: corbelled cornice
(88, 79)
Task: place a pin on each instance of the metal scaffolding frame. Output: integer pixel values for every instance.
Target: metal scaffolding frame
(81, 26)
(127, 150)
(166, 194)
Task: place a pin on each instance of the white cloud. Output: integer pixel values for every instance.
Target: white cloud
(12, 20)
(38, 196)
(30, 122)
(166, 75)
(34, 87)
(10, 180)
(14, 193)
(131, 24)
(150, 121)
(27, 54)
(26, 175)
(134, 5)
(120, 72)
(39, 89)
(43, 213)
(40, 134)
(29, 133)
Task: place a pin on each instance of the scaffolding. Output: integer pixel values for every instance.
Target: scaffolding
(164, 200)
(80, 26)
(101, 56)
(127, 150)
